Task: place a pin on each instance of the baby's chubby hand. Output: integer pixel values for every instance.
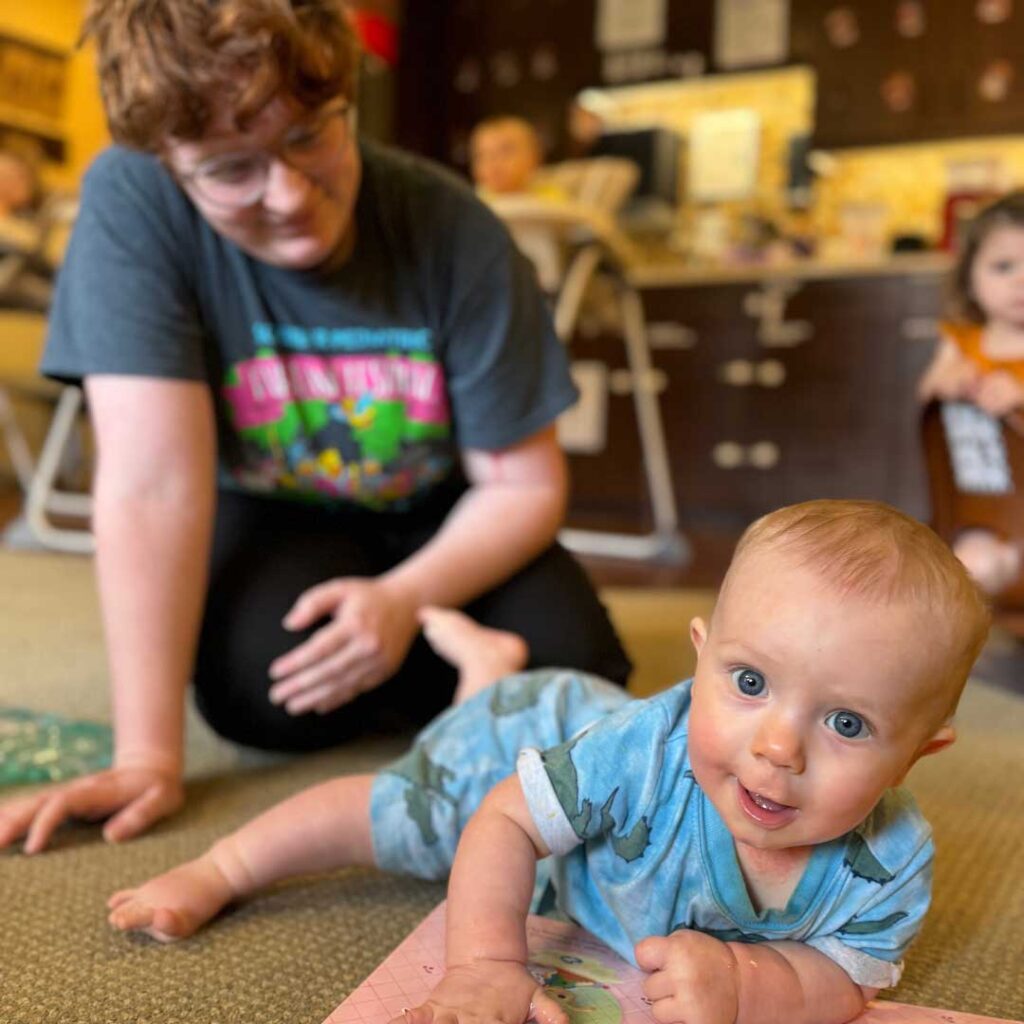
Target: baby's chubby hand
(486, 992)
(693, 978)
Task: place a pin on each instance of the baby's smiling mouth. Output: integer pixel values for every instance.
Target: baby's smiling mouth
(766, 812)
(767, 805)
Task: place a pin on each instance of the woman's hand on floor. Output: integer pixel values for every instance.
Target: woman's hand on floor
(370, 630)
(132, 798)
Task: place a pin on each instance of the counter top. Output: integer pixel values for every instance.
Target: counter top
(670, 275)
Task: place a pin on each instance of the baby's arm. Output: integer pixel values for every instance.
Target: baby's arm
(488, 901)
(701, 980)
(326, 826)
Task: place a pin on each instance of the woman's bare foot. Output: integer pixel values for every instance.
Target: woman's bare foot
(482, 655)
(175, 904)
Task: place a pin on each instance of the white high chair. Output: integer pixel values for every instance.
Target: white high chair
(45, 500)
(570, 242)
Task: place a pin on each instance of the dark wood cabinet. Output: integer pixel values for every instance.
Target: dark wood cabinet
(773, 392)
(964, 75)
(464, 60)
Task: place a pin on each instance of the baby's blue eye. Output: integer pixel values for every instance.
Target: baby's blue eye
(748, 681)
(847, 724)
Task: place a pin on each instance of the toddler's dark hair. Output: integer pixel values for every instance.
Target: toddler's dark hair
(1005, 212)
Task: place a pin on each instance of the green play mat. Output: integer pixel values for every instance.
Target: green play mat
(41, 747)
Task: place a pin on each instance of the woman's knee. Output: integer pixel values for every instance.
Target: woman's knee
(238, 714)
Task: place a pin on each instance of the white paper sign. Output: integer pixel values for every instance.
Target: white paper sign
(628, 24)
(977, 451)
(724, 154)
(583, 429)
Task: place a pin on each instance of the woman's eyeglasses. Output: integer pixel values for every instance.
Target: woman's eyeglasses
(234, 180)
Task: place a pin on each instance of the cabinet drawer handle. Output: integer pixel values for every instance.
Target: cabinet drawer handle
(620, 382)
(786, 334)
(770, 373)
(728, 455)
(740, 373)
(769, 301)
(667, 334)
(763, 455)
(737, 373)
(732, 455)
(768, 307)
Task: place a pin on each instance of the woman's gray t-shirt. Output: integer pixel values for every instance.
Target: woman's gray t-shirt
(357, 385)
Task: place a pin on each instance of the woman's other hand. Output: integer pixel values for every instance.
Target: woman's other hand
(371, 626)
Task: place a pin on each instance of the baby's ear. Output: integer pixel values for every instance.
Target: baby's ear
(698, 633)
(943, 737)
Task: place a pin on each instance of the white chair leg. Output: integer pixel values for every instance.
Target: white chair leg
(17, 446)
(648, 414)
(664, 543)
(574, 286)
(44, 499)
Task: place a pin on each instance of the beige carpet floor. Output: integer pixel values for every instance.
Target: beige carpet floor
(292, 954)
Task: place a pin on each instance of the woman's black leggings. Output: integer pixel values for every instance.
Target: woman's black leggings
(267, 552)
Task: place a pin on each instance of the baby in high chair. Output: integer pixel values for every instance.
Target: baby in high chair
(738, 836)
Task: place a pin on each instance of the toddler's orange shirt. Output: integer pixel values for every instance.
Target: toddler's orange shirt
(968, 338)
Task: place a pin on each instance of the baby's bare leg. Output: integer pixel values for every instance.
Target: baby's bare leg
(324, 827)
(482, 655)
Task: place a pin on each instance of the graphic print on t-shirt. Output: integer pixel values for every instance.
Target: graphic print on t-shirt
(353, 413)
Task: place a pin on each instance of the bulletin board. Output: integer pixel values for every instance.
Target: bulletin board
(33, 87)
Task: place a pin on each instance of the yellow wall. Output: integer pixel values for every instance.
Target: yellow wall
(784, 99)
(55, 23)
(909, 182)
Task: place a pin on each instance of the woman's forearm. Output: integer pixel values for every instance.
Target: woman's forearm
(491, 533)
(152, 551)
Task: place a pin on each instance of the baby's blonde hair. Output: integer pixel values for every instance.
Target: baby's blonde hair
(870, 550)
(528, 131)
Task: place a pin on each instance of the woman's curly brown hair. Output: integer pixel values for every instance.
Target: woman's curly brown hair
(163, 63)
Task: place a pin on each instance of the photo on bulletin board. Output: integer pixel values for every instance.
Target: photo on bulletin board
(630, 24)
(751, 33)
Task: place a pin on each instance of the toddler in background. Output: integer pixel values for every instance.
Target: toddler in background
(505, 154)
(981, 357)
(738, 836)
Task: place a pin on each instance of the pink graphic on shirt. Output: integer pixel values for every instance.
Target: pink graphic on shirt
(265, 384)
